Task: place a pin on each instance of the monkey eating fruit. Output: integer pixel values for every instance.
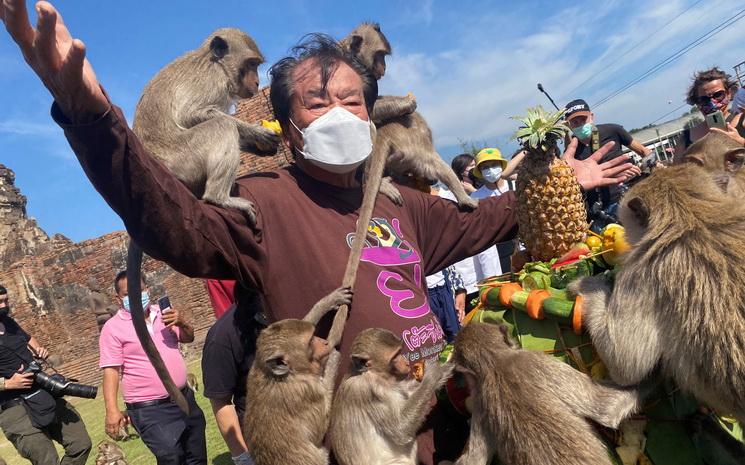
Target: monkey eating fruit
(530, 408)
(678, 301)
(378, 409)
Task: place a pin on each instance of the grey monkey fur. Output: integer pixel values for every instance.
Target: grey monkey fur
(375, 418)
(529, 408)
(678, 300)
(287, 404)
(404, 137)
(182, 117)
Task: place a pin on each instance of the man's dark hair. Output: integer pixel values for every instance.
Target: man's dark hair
(328, 54)
(460, 162)
(120, 276)
(3, 291)
(702, 77)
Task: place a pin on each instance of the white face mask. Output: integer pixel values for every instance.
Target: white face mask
(492, 173)
(337, 142)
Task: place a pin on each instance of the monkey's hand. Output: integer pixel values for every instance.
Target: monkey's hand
(595, 292)
(390, 190)
(254, 137)
(57, 58)
(435, 374)
(410, 106)
(339, 297)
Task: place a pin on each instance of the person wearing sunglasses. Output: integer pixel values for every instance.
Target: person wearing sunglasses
(712, 90)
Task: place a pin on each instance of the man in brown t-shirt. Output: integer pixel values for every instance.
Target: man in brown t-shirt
(306, 214)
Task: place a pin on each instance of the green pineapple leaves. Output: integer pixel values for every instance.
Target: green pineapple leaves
(540, 129)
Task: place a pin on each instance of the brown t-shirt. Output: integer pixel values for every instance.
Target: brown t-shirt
(299, 247)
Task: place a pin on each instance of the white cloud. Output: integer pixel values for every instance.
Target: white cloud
(28, 128)
(48, 138)
(469, 91)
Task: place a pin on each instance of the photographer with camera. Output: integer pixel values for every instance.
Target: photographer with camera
(32, 411)
(173, 437)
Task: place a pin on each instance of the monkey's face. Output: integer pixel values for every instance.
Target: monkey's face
(248, 78)
(634, 217)
(290, 346)
(378, 64)
(399, 365)
(318, 353)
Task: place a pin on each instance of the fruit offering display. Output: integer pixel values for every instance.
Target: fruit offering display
(541, 315)
(550, 207)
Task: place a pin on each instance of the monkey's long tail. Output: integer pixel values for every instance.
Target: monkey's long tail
(134, 289)
(372, 186)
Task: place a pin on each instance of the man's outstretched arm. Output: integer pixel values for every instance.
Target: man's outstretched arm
(160, 213)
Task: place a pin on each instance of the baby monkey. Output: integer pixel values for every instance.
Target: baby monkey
(378, 408)
(530, 408)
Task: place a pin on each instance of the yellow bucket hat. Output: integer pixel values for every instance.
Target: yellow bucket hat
(488, 154)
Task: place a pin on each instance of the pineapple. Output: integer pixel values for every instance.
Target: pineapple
(550, 208)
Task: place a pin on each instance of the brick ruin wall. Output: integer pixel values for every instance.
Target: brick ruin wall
(49, 279)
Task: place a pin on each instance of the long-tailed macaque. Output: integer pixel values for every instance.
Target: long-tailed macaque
(530, 408)
(403, 137)
(723, 158)
(289, 389)
(678, 302)
(378, 408)
(182, 120)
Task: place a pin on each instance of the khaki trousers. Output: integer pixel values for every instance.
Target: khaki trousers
(36, 444)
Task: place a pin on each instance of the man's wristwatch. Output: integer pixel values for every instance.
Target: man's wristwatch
(2, 383)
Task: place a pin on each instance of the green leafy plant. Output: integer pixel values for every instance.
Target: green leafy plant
(540, 129)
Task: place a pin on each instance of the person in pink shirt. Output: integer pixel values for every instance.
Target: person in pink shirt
(173, 437)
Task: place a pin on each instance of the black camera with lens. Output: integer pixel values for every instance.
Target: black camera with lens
(58, 386)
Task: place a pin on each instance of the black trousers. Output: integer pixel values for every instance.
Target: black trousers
(173, 437)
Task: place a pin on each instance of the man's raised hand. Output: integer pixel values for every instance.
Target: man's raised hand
(57, 58)
(590, 173)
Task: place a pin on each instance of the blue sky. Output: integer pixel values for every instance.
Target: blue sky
(471, 65)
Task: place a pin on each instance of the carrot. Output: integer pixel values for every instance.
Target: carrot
(577, 315)
(506, 291)
(469, 316)
(534, 303)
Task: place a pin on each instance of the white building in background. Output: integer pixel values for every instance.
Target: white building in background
(663, 138)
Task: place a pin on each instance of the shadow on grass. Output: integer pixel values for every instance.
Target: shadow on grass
(222, 459)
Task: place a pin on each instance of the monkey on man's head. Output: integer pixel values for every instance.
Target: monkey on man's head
(529, 407)
(403, 138)
(368, 44)
(289, 389)
(678, 302)
(378, 408)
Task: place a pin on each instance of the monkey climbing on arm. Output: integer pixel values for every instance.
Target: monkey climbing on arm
(186, 106)
(289, 389)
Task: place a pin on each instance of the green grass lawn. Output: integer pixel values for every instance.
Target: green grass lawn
(92, 411)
